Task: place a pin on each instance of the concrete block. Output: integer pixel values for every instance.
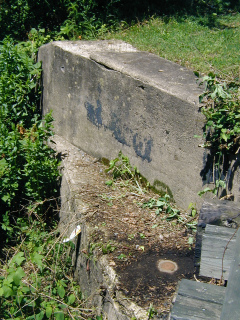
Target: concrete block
(106, 96)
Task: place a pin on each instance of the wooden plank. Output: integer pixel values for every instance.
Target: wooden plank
(231, 305)
(202, 291)
(197, 300)
(219, 231)
(214, 243)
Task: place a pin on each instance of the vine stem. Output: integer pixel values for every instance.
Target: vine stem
(221, 279)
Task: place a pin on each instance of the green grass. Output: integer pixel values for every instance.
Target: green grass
(190, 42)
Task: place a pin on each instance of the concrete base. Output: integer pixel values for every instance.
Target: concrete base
(97, 279)
(106, 96)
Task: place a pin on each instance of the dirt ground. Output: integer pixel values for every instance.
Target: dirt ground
(136, 238)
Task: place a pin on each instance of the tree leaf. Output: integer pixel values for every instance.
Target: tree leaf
(7, 291)
(194, 212)
(49, 311)
(59, 315)
(61, 291)
(18, 258)
(1, 292)
(160, 203)
(37, 258)
(18, 275)
(3, 165)
(71, 299)
(40, 315)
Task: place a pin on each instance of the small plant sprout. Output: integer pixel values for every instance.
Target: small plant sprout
(190, 242)
(162, 205)
(122, 256)
(120, 168)
(108, 248)
(131, 236)
(192, 207)
(151, 312)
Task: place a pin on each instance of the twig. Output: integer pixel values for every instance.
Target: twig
(221, 279)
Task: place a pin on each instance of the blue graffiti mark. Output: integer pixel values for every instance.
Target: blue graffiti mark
(142, 147)
(143, 150)
(94, 114)
(118, 132)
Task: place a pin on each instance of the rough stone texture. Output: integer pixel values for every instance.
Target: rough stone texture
(106, 96)
(219, 212)
(97, 279)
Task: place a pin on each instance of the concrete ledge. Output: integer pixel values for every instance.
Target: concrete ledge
(106, 96)
(98, 280)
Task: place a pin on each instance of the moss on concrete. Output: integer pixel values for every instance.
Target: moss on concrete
(161, 187)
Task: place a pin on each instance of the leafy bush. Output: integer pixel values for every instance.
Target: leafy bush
(222, 128)
(19, 94)
(79, 17)
(36, 269)
(36, 276)
(18, 17)
(90, 18)
(28, 167)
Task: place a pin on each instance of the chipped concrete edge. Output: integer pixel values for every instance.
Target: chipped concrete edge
(98, 281)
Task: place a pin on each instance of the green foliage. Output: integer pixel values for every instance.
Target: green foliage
(151, 312)
(28, 167)
(162, 205)
(222, 128)
(108, 248)
(122, 256)
(71, 18)
(35, 278)
(120, 168)
(81, 20)
(91, 18)
(214, 7)
(192, 207)
(222, 112)
(18, 17)
(19, 93)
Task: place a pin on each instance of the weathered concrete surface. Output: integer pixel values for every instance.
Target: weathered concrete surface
(98, 280)
(107, 96)
(219, 213)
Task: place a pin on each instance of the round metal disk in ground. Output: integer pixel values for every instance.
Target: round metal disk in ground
(167, 266)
